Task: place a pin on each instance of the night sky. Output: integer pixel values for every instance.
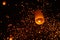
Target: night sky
(17, 20)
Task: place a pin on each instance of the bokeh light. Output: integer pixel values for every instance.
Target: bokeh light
(4, 3)
(11, 38)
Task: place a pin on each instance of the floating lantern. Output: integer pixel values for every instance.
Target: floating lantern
(4, 3)
(39, 18)
(11, 37)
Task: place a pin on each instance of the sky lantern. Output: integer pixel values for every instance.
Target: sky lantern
(4, 3)
(11, 38)
(39, 18)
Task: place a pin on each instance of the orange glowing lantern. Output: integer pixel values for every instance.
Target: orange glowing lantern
(39, 18)
(11, 38)
(4, 3)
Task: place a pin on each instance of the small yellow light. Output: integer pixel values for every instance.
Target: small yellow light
(39, 21)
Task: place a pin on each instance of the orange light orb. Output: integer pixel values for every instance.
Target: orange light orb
(4, 3)
(39, 18)
(11, 37)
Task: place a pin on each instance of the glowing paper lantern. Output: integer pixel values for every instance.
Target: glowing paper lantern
(4, 3)
(39, 18)
(11, 38)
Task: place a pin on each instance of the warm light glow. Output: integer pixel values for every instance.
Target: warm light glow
(39, 21)
(11, 39)
(4, 3)
(39, 18)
